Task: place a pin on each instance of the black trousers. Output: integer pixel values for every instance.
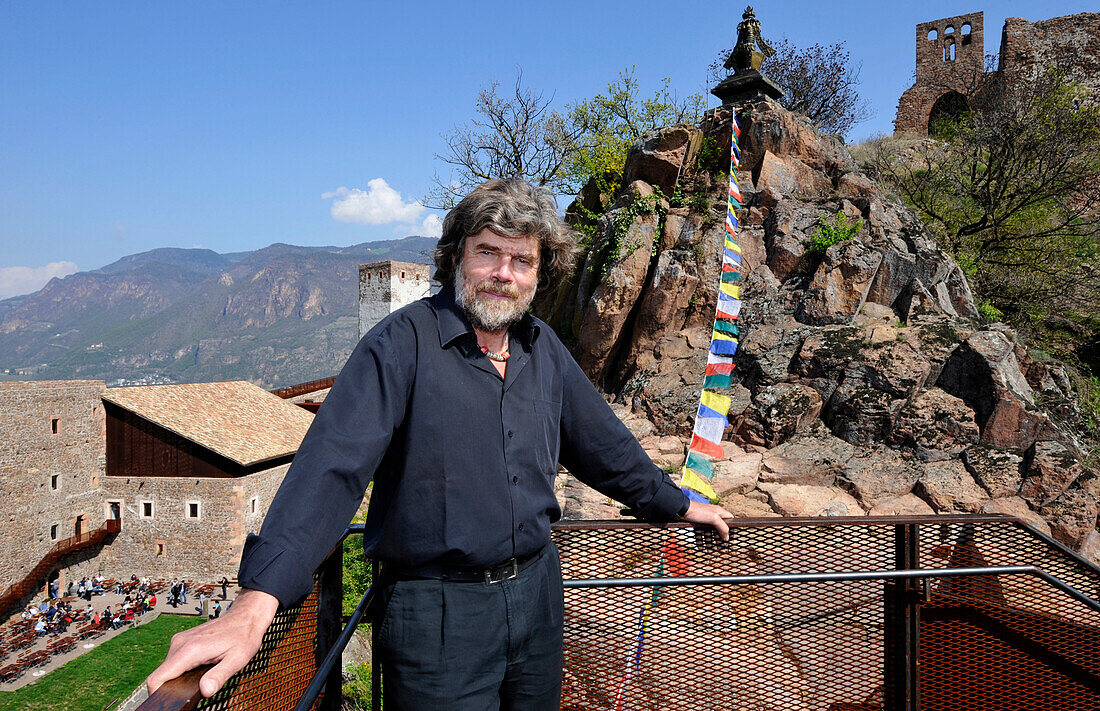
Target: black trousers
(470, 646)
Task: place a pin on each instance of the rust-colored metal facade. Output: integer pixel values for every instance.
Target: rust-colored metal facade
(138, 447)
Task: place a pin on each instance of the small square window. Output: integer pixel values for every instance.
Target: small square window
(147, 509)
(54, 424)
(160, 547)
(53, 532)
(253, 504)
(55, 481)
(193, 509)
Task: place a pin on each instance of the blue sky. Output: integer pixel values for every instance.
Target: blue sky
(232, 125)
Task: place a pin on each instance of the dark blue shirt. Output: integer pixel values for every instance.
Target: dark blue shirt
(463, 460)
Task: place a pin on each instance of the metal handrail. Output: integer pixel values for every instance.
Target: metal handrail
(910, 574)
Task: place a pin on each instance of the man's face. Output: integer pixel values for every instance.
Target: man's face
(496, 279)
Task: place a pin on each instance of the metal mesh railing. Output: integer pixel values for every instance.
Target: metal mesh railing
(287, 661)
(280, 672)
(1008, 641)
(840, 614)
(826, 615)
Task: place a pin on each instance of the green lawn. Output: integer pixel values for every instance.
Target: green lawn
(115, 668)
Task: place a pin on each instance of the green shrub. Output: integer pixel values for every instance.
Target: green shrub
(830, 232)
(990, 312)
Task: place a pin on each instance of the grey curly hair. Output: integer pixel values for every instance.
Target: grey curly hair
(511, 208)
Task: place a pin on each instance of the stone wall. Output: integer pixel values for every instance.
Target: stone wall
(173, 541)
(49, 479)
(51, 460)
(1072, 41)
(384, 287)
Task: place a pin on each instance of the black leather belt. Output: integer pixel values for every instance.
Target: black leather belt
(507, 570)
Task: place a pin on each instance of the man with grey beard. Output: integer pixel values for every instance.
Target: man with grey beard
(459, 407)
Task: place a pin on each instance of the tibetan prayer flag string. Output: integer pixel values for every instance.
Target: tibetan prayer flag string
(711, 418)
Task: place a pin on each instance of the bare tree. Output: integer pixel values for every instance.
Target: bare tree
(516, 134)
(818, 82)
(519, 134)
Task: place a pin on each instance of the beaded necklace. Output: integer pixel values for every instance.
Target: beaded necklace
(498, 357)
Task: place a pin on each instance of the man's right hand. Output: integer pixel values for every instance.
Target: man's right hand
(228, 642)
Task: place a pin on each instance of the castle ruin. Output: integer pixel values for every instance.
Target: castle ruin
(951, 58)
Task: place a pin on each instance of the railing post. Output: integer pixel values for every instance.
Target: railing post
(330, 609)
(375, 664)
(902, 631)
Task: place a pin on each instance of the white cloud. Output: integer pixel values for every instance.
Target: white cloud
(432, 226)
(24, 280)
(379, 204)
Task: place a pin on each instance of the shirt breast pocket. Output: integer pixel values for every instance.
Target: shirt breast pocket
(547, 418)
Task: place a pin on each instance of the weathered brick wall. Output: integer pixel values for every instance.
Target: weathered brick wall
(171, 543)
(1027, 48)
(32, 454)
(1072, 41)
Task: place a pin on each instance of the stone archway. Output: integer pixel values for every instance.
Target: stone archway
(950, 106)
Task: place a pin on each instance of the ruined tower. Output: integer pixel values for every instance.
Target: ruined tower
(950, 57)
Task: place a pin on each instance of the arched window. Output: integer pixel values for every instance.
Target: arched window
(949, 49)
(933, 35)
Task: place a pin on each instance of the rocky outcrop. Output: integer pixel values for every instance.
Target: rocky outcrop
(866, 382)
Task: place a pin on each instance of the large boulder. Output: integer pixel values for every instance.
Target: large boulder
(840, 284)
(815, 460)
(948, 487)
(1072, 517)
(790, 176)
(656, 157)
(866, 402)
(805, 500)
(616, 270)
(985, 374)
(934, 426)
(996, 470)
(781, 411)
(877, 476)
(1052, 468)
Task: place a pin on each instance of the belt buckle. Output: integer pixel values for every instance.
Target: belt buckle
(507, 571)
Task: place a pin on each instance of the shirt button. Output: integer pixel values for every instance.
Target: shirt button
(521, 527)
(509, 434)
(515, 480)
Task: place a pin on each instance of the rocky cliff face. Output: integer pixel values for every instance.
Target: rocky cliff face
(867, 382)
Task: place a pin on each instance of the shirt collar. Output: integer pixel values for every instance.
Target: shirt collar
(453, 323)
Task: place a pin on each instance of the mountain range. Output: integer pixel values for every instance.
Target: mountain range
(275, 316)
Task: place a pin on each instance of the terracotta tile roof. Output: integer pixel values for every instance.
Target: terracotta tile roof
(236, 419)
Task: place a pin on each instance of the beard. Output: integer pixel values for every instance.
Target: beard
(487, 313)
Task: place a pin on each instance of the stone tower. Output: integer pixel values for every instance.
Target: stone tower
(950, 56)
(384, 287)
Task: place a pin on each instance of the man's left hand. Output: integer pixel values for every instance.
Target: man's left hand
(710, 515)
